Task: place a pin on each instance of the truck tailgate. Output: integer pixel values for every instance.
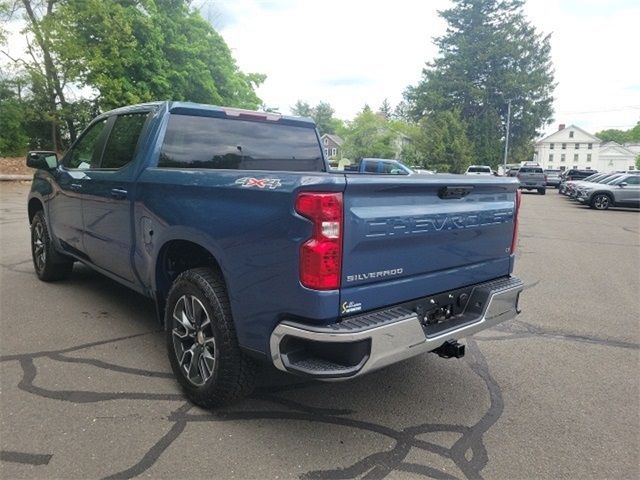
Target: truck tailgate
(410, 237)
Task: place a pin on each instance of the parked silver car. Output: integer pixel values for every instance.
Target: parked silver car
(553, 178)
(532, 177)
(623, 191)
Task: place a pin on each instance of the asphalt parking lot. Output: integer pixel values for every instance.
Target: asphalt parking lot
(86, 390)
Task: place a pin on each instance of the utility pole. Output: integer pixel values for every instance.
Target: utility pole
(506, 139)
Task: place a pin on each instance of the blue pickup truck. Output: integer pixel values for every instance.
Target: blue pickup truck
(252, 249)
(379, 165)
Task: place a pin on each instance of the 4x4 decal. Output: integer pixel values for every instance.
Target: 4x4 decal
(249, 182)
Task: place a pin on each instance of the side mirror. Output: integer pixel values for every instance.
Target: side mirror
(623, 184)
(42, 160)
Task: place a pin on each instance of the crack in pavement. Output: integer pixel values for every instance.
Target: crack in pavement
(468, 452)
(25, 458)
(375, 465)
(521, 329)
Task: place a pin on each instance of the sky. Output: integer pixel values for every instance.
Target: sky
(352, 52)
(356, 52)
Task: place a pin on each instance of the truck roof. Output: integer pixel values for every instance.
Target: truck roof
(201, 109)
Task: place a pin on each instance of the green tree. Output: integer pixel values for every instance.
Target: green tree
(141, 50)
(442, 142)
(385, 109)
(322, 114)
(368, 135)
(490, 54)
(13, 114)
(49, 79)
(620, 136)
(302, 109)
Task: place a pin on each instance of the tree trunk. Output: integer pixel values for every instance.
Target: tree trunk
(54, 86)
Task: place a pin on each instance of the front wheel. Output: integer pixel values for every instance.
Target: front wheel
(48, 264)
(201, 338)
(601, 201)
(542, 191)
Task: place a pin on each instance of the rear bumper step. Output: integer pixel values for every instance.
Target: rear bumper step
(367, 342)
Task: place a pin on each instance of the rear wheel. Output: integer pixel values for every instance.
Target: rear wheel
(48, 264)
(203, 347)
(601, 201)
(542, 191)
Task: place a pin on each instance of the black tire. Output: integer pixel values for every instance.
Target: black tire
(542, 191)
(231, 372)
(601, 201)
(48, 264)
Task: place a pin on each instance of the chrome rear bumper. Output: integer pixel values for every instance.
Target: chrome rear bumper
(394, 334)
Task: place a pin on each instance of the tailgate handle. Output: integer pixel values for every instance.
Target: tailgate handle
(454, 192)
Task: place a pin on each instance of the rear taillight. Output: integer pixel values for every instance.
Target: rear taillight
(516, 214)
(321, 255)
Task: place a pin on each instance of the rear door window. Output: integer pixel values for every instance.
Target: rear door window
(218, 143)
(123, 140)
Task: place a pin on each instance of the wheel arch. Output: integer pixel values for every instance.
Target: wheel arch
(34, 206)
(174, 257)
(602, 192)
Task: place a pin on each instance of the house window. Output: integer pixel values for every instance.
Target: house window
(564, 146)
(563, 168)
(562, 157)
(571, 134)
(333, 152)
(326, 152)
(326, 141)
(590, 146)
(588, 157)
(551, 157)
(577, 146)
(632, 167)
(552, 146)
(575, 157)
(588, 168)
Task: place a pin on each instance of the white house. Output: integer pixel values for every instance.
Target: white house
(614, 157)
(572, 147)
(569, 147)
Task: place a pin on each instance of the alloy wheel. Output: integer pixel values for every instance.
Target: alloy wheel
(193, 340)
(601, 202)
(39, 246)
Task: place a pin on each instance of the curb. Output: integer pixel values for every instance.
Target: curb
(9, 178)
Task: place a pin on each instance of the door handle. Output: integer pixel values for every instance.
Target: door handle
(75, 186)
(118, 193)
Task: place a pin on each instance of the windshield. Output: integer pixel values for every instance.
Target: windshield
(479, 170)
(530, 170)
(591, 177)
(611, 180)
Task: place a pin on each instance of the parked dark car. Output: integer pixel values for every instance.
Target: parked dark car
(573, 174)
